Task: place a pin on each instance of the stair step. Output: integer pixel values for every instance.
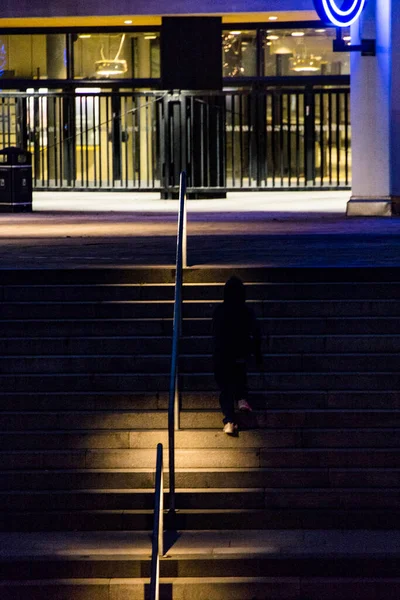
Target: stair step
(282, 477)
(96, 420)
(201, 499)
(211, 292)
(204, 520)
(210, 588)
(202, 441)
(196, 345)
(386, 400)
(148, 364)
(159, 382)
(209, 458)
(56, 327)
(196, 309)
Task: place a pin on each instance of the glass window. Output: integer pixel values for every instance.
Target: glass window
(303, 52)
(239, 53)
(33, 56)
(117, 55)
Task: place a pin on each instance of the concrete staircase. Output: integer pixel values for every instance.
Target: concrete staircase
(295, 499)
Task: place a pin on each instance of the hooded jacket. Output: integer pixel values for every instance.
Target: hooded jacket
(236, 333)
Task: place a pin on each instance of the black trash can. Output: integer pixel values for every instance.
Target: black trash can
(15, 180)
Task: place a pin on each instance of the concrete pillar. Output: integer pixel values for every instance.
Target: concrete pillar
(56, 69)
(55, 56)
(144, 71)
(375, 112)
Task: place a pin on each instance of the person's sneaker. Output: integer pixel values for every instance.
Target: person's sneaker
(230, 428)
(244, 405)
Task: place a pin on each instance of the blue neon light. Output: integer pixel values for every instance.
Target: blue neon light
(2, 59)
(341, 16)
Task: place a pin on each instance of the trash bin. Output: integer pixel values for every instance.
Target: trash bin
(15, 180)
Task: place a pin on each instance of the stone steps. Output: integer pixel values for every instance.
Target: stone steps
(367, 290)
(204, 520)
(159, 345)
(201, 363)
(200, 440)
(196, 309)
(199, 400)
(333, 498)
(320, 326)
(95, 420)
(84, 391)
(158, 382)
(141, 478)
(116, 458)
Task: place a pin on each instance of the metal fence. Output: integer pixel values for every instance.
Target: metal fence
(276, 138)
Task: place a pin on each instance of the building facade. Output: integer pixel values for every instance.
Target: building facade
(243, 95)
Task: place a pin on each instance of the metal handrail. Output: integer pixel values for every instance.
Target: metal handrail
(158, 527)
(173, 406)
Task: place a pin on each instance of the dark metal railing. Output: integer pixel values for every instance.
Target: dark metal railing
(173, 406)
(158, 527)
(275, 137)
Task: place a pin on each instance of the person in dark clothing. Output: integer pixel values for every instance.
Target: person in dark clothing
(236, 336)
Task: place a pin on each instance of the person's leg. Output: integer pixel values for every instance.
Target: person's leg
(241, 387)
(226, 385)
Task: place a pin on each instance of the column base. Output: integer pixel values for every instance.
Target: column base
(372, 207)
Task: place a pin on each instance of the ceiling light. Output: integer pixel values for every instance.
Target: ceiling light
(128, 22)
(320, 30)
(347, 38)
(272, 37)
(150, 37)
(235, 32)
(272, 18)
(84, 36)
(269, 43)
(297, 33)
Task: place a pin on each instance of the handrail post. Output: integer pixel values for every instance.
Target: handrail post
(158, 527)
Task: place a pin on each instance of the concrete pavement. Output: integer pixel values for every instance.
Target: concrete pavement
(78, 229)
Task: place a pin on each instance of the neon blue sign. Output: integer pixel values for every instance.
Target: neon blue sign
(341, 16)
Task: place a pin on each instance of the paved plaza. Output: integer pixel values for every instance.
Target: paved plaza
(81, 229)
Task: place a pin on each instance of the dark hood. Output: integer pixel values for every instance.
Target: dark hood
(234, 292)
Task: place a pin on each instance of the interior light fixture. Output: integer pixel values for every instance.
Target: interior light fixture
(111, 66)
(150, 37)
(235, 32)
(269, 43)
(347, 38)
(272, 18)
(306, 63)
(128, 22)
(272, 37)
(320, 30)
(84, 36)
(297, 33)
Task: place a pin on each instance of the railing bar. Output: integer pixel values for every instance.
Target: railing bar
(346, 139)
(289, 114)
(100, 142)
(330, 135)
(337, 138)
(297, 96)
(158, 527)
(108, 166)
(173, 406)
(322, 136)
